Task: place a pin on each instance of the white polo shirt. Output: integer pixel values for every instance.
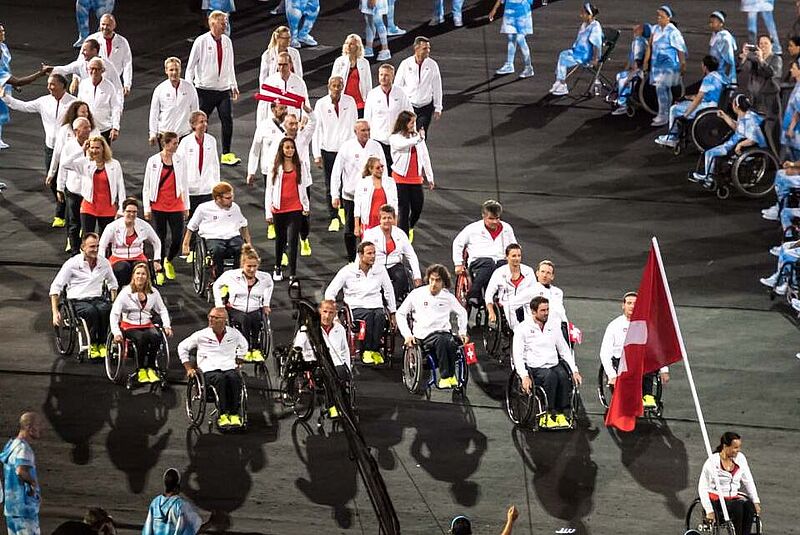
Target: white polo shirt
(534, 347)
(362, 290)
(213, 222)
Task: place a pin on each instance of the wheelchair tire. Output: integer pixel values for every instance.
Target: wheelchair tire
(753, 173)
(414, 369)
(462, 373)
(66, 332)
(708, 130)
(200, 273)
(265, 337)
(162, 357)
(114, 358)
(388, 345)
(521, 408)
(301, 395)
(648, 98)
(462, 287)
(346, 319)
(196, 399)
(492, 335)
(604, 390)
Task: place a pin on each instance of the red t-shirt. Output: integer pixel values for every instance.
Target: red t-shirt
(101, 197)
(390, 246)
(352, 87)
(378, 200)
(412, 175)
(517, 282)
(219, 56)
(496, 232)
(167, 201)
(290, 195)
(108, 45)
(199, 153)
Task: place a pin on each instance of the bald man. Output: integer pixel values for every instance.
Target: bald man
(22, 491)
(115, 48)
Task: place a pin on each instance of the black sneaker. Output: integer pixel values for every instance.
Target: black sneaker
(277, 275)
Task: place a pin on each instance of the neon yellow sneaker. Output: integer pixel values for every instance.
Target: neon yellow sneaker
(551, 422)
(332, 412)
(411, 235)
(190, 257)
(229, 158)
(160, 279)
(169, 270)
(59, 222)
(367, 358)
(649, 401)
(271, 231)
(256, 356)
(561, 420)
(248, 356)
(142, 376)
(377, 357)
(94, 351)
(453, 381)
(234, 419)
(543, 420)
(444, 383)
(223, 421)
(342, 216)
(335, 225)
(152, 375)
(305, 247)
(103, 350)
(285, 260)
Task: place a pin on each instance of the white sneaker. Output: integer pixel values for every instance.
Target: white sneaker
(769, 281)
(771, 213)
(3, 145)
(659, 120)
(527, 72)
(458, 22)
(775, 250)
(782, 288)
(506, 68)
(384, 55)
(435, 21)
(559, 89)
(621, 110)
(666, 141)
(796, 306)
(697, 177)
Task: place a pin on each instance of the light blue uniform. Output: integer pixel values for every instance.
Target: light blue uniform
(624, 78)
(21, 509)
(373, 22)
(747, 127)
(588, 41)
(438, 9)
(723, 47)
(665, 65)
(83, 9)
(711, 87)
(5, 74)
(765, 7)
(307, 10)
(171, 515)
(784, 183)
(792, 143)
(517, 19)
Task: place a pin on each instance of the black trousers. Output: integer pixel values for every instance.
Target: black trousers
(741, 513)
(228, 385)
(221, 100)
(410, 199)
(123, 270)
(222, 249)
(350, 240)
(424, 118)
(327, 166)
(481, 270)
(444, 348)
(95, 311)
(247, 323)
(173, 221)
(73, 216)
(387, 152)
(89, 223)
(60, 206)
(375, 323)
(147, 343)
(556, 384)
(287, 232)
(400, 283)
(648, 381)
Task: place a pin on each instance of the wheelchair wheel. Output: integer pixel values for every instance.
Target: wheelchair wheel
(492, 335)
(200, 275)
(115, 355)
(522, 408)
(162, 357)
(303, 395)
(462, 287)
(196, 399)
(708, 130)
(346, 319)
(388, 345)
(413, 369)
(265, 337)
(723, 192)
(462, 373)
(243, 403)
(753, 173)
(648, 98)
(66, 332)
(604, 390)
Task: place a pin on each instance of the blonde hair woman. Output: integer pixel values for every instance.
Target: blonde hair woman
(353, 68)
(279, 42)
(372, 192)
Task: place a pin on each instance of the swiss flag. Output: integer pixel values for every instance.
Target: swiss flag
(652, 342)
(469, 353)
(575, 334)
(271, 93)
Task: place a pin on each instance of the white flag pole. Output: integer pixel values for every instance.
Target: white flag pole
(689, 375)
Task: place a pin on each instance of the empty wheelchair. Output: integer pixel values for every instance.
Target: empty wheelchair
(421, 373)
(72, 333)
(198, 395)
(528, 410)
(122, 360)
(203, 272)
(356, 331)
(605, 391)
(598, 83)
(696, 520)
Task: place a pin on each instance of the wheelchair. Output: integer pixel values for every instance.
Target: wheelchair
(356, 331)
(420, 372)
(696, 521)
(643, 96)
(203, 273)
(72, 334)
(199, 393)
(463, 282)
(706, 129)
(263, 344)
(497, 337)
(527, 410)
(605, 391)
(751, 173)
(121, 354)
(599, 84)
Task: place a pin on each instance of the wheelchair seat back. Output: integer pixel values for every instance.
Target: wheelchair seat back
(792, 199)
(726, 97)
(610, 38)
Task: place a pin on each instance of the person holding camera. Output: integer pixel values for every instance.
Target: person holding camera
(760, 76)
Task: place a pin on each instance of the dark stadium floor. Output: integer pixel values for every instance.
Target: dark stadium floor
(580, 187)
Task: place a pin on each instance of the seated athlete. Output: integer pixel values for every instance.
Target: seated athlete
(127, 236)
(512, 284)
(587, 48)
(432, 305)
(633, 68)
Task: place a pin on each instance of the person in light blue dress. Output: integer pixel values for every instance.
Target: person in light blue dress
(765, 8)
(790, 132)
(226, 6)
(788, 253)
(633, 68)
(306, 11)
(22, 490)
(707, 96)
(438, 13)
(666, 59)
(517, 23)
(373, 23)
(83, 9)
(587, 48)
(169, 513)
(722, 46)
(747, 133)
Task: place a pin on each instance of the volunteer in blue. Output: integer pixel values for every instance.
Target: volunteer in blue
(722, 46)
(517, 23)
(666, 59)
